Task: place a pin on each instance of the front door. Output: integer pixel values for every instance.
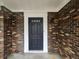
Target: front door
(35, 33)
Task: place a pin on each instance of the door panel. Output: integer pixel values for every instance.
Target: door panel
(35, 33)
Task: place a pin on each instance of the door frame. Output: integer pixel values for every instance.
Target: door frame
(45, 31)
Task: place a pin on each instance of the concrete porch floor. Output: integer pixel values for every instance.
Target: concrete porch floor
(34, 56)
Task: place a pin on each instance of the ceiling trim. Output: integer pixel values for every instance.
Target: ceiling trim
(62, 4)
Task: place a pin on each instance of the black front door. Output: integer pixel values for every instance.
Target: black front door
(35, 33)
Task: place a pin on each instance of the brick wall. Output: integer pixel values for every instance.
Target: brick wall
(1, 36)
(64, 31)
(19, 17)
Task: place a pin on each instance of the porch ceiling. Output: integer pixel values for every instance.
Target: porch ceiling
(47, 5)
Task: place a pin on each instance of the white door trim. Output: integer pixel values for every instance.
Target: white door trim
(45, 33)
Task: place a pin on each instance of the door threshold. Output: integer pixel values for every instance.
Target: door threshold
(36, 52)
